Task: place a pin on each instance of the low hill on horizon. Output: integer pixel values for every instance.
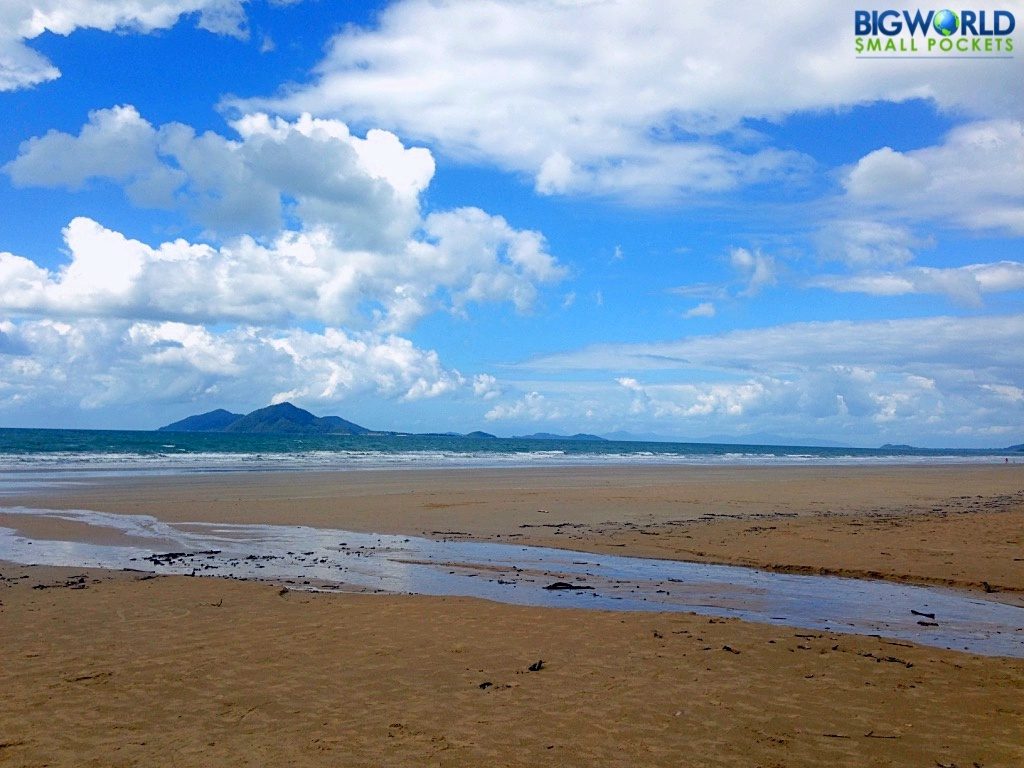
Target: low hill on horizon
(280, 419)
(288, 419)
(550, 436)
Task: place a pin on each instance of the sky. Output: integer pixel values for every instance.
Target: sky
(689, 220)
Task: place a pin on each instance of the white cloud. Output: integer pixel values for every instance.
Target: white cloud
(556, 175)
(531, 407)
(862, 243)
(940, 381)
(638, 99)
(757, 269)
(486, 386)
(966, 345)
(365, 189)
(869, 381)
(1006, 392)
(23, 20)
(686, 401)
(886, 174)
(97, 363)
(116, 144)
(972, 179)
(333, 364)
(361, 251)
(700, 291)
(467, 257)
(704, 309)
(344, 245)
(836, 402)
(965, 285)
(754, 271)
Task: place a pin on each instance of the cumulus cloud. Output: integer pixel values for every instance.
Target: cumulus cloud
(468, 256)
(95, 363)
(360, 250)
(23, 20)
(569, 107)
(972, 179)
(315, 171)
(115, 144)
(531, 407)
(686, 401)
(886, 174)
(486, 386)
(310, 308)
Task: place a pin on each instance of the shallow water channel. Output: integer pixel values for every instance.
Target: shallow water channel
(318, 558)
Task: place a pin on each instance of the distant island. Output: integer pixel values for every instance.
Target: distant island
(288, 419)
(280, 419)
(549, 436)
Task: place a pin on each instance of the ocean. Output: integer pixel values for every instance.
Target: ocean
(138, 452)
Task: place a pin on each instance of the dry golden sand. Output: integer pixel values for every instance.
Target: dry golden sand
(112, 670)
(177, 671)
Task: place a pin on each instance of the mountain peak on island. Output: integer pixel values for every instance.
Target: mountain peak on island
(211, 421)
(280, 419)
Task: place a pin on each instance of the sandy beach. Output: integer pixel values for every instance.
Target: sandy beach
(511, 384)
(956, 525)
(106, 668)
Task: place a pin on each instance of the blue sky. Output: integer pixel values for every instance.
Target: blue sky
(517, 216)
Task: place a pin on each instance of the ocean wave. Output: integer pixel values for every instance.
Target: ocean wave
(175, 463)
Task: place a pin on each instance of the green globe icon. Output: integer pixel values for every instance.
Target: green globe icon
(946, 23)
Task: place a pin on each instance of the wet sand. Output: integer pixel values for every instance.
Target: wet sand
(959, 526)
(196, 672)
(118, 669)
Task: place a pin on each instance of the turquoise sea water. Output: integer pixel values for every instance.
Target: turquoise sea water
(172, 452)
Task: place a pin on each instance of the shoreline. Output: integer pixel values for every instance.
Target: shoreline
(143, 465)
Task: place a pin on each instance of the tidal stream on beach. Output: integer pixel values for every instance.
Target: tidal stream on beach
(300, 557)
